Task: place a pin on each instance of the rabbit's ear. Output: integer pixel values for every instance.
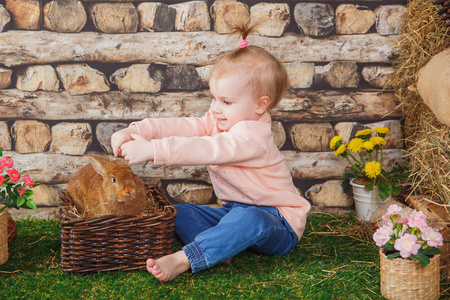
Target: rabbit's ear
(98, 162)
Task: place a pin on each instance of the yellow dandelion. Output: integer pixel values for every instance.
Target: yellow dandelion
(372, 169)
(340, 150)
(378, 140)
(382, 130)
(334, 141)
(355, 145)
(364, 132)
(368, 145)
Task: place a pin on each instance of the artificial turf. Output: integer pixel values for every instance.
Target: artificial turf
(335, 259)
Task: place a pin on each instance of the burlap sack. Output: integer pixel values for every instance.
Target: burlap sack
(433, 85)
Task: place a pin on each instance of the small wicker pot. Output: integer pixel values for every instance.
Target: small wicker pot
(3, 236)
(115, 243)
(409, 279)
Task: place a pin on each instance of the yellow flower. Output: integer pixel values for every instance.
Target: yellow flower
(372, 169)
(340, 150)
(355, 145)
(334, 141)
(364, 132)
(377, 140)
(368, 145)
(382, 130)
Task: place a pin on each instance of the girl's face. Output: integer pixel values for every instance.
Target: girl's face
(233, 102)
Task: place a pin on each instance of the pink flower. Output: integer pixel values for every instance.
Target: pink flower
(433, 238)
(2, 179)
(13, 175)
(417, 219)
(21, 191)
(28, 181)
(394, 209)
(407, 245)
(1, 169)
(382, 235)
(6, 162)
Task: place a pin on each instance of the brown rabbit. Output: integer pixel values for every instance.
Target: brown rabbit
(106, 187)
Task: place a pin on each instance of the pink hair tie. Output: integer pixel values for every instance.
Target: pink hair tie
(243, 44)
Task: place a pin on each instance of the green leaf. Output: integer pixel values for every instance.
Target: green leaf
(388, 246)
(396, 188)
(2, 209)
(423, 259)
(1, 153)
(430, 251)
(369, 186)
(30, 204)
(384, 189)
(393, 255)
(20, 201)
(28, 193)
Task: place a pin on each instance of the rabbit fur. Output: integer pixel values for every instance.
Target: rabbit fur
(105, 187)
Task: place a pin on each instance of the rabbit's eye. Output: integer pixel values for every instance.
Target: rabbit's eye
(113, 179)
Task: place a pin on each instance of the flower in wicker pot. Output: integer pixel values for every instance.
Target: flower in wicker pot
(13, 193)
(409, 257)
(372, 185)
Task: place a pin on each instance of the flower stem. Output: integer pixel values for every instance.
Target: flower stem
(355, 167)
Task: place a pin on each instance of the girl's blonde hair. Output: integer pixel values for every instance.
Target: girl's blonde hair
(259, 69)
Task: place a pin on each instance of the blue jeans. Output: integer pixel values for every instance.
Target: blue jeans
(213, 235)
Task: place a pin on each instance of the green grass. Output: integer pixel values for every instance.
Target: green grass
(333, 260)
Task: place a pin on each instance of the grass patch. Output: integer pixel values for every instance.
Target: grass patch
(335, 259)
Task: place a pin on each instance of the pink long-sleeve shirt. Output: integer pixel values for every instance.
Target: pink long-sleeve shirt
(244, 163)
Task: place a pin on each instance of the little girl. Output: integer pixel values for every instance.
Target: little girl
(262, 210)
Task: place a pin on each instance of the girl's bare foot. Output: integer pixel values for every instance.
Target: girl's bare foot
(168, 267)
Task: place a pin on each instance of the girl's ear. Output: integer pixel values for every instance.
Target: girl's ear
(262, 105)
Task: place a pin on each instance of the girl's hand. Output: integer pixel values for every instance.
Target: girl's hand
(120, 137)
(137, 150)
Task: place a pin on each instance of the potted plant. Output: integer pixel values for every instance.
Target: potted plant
(409, 257)
(372, 185)
(14, 193)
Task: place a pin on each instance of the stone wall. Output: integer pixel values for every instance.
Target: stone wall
(73, 72)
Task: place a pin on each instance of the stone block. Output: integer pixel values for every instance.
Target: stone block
(192, 16)
(71, 138)
(5, 18)
(279, 134)
(354, 19)
(104, 131)
(31, 136)
(64, 16)
(390, 19)
(5, 78)
(45, 195)
(110, 17)
(301, 75)
(272, 18)
(195, 193)
(227, 13)
(314, 19)
(378, 76)
(156, 16)
(5, 137)
(330, 194)
(25, 14)
(80, 79)
(311, 137)
(37, 77)
(136, 79)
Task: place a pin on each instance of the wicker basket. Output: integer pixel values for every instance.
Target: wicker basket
(3, 236)
(113, 243)
(409, 279)
(12, 229)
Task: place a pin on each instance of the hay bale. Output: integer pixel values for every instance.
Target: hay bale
(427, 140)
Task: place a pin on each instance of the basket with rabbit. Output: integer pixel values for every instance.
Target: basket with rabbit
(110, 220)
